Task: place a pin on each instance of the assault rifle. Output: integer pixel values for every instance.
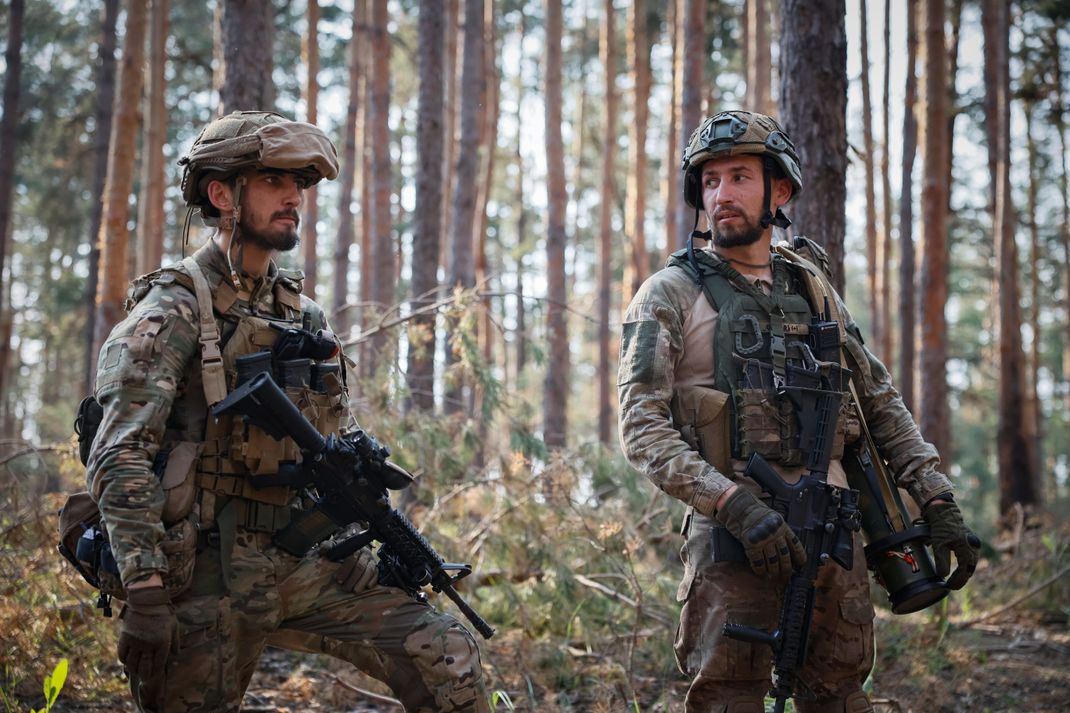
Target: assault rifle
(822, 516)
(347, 478)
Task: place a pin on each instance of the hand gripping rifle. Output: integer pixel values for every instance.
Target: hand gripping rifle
(349, 477)
(823, 517)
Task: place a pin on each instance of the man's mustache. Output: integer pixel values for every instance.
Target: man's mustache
(291, 214)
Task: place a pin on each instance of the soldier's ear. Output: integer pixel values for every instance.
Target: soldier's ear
(221, 194)
(782, 191)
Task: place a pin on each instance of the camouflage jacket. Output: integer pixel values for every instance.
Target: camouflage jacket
(149, 384)
(666, 343)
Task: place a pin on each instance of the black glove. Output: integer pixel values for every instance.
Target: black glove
(148, 632)
(947, 534)
(772, 548)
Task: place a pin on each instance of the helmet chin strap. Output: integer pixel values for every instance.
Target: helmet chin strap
(768, 218)
(706, 235)
(230, 222)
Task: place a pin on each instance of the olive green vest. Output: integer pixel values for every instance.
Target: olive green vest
(758, 339)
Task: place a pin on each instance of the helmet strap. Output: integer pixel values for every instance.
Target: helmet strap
(230, 223)
(768, 217)
(700, 235)
(185, 229)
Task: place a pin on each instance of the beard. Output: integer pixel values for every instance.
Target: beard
(270, 238)
(747, 233)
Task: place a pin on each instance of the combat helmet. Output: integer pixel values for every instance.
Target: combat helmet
(731, 133)
(254, 140)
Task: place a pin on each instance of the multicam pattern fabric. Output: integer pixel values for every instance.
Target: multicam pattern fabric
(840, 653)
(675, 324)
(149, 385)
(429, 659)
(667, 350)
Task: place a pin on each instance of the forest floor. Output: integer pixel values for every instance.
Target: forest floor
(989, 650)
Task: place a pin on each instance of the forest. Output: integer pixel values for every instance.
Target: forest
(510, 175)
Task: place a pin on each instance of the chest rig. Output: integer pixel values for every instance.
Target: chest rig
(230, 459)
(772, 353)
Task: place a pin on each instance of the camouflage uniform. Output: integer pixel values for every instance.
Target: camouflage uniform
(666, 348)
(242, 588)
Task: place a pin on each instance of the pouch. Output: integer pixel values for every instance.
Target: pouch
(702, 417)
(179, 481)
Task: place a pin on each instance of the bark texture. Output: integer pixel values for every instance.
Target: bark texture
(813, 109)
(637, 259)
(907, 303)
(151, 221)
(935, 419)
(311, 51)
(8, 149)
(114, 234)
(606, 415)
(428, 217)
(247, 36)
(555, 402)
(690, 89)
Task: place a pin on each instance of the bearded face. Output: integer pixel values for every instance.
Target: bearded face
(269, 215)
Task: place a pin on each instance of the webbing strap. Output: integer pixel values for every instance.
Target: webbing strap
(817, 285)
(212, 373)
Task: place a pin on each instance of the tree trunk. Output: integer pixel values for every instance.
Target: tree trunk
(1018, 477)
(311, 50)
(489, 142)
(521, 224)
(382, 182)
(884, 247)
(352, 167)
(428, 216)
(555, 401)
(689, 88)
(1059, 113)
(465, 176)
(605, 224)
(637, 261)
(248, 36)
(114, 234)
(813, 106)
(1036, 413)
(8, 152)
(101, 134)
(934, 263)
(759, 63)
(151, 221)
(367, 209)
(670, 186)
(450, 131)
(907, 327)
(872, 271)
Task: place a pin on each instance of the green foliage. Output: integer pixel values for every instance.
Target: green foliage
(53, 685)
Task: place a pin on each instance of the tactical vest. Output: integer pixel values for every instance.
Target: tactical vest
(227, 457)
(763, 342)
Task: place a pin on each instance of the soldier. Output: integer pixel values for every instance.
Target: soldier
(190, 525)
(687, 423)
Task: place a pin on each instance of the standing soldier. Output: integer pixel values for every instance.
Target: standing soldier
(690, 417)
(189, 501)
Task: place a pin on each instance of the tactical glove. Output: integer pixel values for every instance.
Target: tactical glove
(148, 633)
(772, 548)
(359, 572)
(947, 534)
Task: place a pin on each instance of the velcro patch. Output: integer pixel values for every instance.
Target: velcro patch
(638, 344)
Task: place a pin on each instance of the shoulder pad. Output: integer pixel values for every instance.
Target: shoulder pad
(140, 286)
(813, 252)
(292, 280)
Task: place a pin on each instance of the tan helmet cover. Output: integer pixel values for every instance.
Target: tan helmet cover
(731, 133)
(255, 140)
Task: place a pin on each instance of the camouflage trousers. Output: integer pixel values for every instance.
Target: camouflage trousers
(428, 658)
(730, 676)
